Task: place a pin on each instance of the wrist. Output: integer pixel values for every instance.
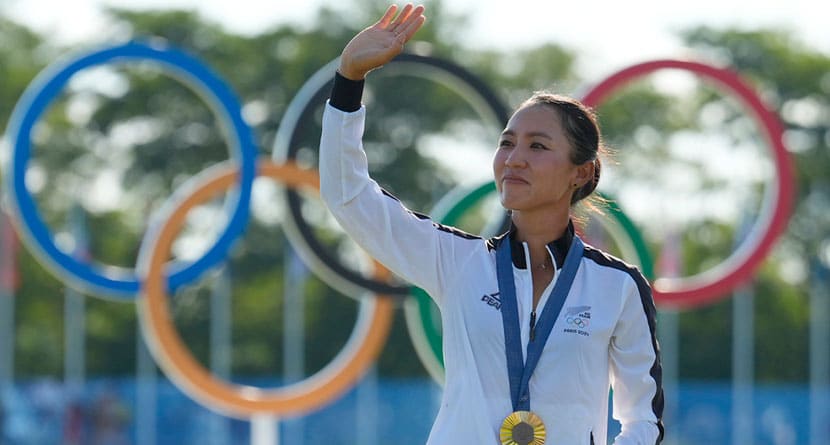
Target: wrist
(351, 74)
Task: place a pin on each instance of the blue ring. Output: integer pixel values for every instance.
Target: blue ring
(40, 94)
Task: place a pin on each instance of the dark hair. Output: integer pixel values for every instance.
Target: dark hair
(581, 129)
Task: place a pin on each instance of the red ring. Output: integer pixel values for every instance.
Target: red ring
(705, 288)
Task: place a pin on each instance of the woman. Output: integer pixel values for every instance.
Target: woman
(536, 325)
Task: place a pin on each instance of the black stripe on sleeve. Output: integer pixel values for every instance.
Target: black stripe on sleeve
(449, 229)
(657, 403)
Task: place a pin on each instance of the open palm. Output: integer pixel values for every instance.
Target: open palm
(378, 44)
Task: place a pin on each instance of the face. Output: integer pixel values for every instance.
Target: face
(532, 165)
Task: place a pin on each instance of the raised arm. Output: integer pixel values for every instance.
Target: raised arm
(410, 245)
(378, 44)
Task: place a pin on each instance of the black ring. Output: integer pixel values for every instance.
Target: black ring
(492, 102)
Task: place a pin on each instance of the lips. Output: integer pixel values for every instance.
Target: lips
(512, 179)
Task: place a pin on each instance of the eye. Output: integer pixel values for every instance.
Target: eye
(538, 146)
(504, 143)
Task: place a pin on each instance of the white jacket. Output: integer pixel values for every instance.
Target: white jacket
(604, 336)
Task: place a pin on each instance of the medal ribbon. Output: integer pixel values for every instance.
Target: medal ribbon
(518, 371)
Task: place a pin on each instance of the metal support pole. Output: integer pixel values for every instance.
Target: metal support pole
(820, 357)
(743, 366)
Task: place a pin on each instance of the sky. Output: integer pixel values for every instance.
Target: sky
(608, 35)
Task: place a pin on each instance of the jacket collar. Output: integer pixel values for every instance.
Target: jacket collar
(559, 246)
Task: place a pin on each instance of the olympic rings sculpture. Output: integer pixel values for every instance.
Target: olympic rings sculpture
(153, 280)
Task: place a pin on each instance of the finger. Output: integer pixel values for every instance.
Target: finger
(401, 17)
(412, 27)
(413, 14)
(387, 16)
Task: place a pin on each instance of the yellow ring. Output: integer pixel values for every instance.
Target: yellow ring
(179, 364)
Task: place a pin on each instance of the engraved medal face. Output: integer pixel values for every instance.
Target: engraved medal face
(522, 428)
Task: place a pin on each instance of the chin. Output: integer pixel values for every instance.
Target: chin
(516, 201)
(512, 206)
(507, 203)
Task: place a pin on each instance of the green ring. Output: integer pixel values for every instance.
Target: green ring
(641, 252)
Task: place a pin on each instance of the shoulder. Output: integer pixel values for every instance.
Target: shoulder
(637, 294)
(612, 264)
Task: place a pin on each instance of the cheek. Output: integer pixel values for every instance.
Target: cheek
(497, 155)
(498, 164)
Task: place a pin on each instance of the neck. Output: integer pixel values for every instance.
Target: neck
(537, 230)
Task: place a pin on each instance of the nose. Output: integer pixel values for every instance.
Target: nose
(515, 158)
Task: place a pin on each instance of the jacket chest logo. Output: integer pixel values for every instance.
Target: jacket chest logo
(577, 320)
(493, 300)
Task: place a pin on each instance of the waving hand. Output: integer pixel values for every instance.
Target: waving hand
(381, 42)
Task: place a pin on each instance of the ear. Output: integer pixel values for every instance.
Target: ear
(584, 173)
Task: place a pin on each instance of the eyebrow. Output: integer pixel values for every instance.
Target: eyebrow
(531, 134)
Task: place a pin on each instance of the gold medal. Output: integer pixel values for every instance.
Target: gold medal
(522, 428)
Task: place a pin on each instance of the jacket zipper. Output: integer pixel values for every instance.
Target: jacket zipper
(532, 325)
